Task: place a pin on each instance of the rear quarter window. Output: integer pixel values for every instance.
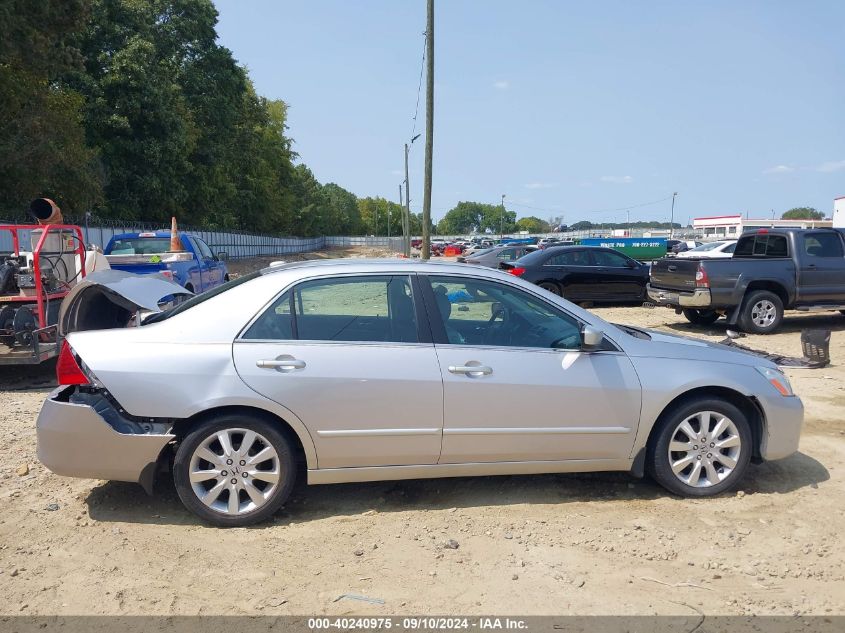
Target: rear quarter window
(762, 245)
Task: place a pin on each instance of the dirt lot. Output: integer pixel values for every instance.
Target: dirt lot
(554, 544)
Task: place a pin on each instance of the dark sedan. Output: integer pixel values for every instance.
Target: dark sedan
(584, 273)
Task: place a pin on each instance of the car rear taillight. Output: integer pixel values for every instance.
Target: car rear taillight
(68, 371)
(517, 270)
(701, 278)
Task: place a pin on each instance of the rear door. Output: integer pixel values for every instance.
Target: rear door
(516, 386)
(572, 269)
(348, 355)
(821, 269)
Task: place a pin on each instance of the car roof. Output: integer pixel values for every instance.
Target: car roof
(385, 264)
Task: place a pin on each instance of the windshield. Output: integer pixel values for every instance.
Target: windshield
(198, 299)
(140, 246)
(482, 252)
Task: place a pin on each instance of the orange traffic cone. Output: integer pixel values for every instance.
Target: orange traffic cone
(175, 242)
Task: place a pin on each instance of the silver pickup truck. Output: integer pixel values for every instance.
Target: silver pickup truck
(771, 270)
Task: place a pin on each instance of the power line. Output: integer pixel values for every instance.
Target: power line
(419, 87)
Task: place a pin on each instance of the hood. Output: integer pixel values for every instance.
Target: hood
(109, 298)
(663, 345)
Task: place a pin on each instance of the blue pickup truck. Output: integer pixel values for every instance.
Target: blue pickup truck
(195, 268)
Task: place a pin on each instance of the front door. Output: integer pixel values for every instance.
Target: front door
(345, 354)
(617, 277)
(516, 385)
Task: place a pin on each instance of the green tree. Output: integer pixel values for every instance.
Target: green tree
(344, 216)
(467, 217)
(802, 213)
(42, 141)
(374, 217)
(532, 224)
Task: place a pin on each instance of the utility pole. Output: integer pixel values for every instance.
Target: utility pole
(672, 217)
(429, 130)
(502, 219)
(402, 211)
(407, 219)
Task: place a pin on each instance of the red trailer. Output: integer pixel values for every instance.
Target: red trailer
(33, 281)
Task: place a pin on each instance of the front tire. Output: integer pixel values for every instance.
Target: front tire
(761, 312)
(701, 317)
(700, 448)
(234, 470)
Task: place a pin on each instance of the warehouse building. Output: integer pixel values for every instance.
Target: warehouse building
(731, 226)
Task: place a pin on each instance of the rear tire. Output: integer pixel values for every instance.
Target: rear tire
(701, 317)
(234, 470)
(700, 448)
(551, 287)
(761, 312)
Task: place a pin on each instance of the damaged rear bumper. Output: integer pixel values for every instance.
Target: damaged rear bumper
(76, 441)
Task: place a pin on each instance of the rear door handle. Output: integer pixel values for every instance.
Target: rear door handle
(471, 370)
(280, 364)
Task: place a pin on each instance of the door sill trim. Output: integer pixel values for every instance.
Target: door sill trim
(474, 469)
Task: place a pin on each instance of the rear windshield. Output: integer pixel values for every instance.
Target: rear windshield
(198, 299)
(140, 246)
(761, 245)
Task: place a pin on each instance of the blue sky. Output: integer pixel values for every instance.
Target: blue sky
(573, 108)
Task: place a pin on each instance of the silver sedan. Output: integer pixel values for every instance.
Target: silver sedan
(356, 370)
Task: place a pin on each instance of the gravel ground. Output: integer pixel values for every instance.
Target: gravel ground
(554, 544)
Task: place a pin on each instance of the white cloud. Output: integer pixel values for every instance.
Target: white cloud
(540, 185)
(831, 166)
(779, 169)
(501, 85)
(618, 180)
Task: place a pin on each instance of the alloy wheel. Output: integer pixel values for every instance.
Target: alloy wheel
(704, 449)
(234, 471)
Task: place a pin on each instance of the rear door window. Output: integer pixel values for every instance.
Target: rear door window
(822, 245)
(569, 258)
(349, 309)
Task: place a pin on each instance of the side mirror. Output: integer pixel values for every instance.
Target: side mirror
(591, 338)
(633, 264)
(223, 256)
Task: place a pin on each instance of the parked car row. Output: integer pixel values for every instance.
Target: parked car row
(750, 281)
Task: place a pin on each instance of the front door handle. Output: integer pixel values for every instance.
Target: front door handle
(471, 370)
(281, 364)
